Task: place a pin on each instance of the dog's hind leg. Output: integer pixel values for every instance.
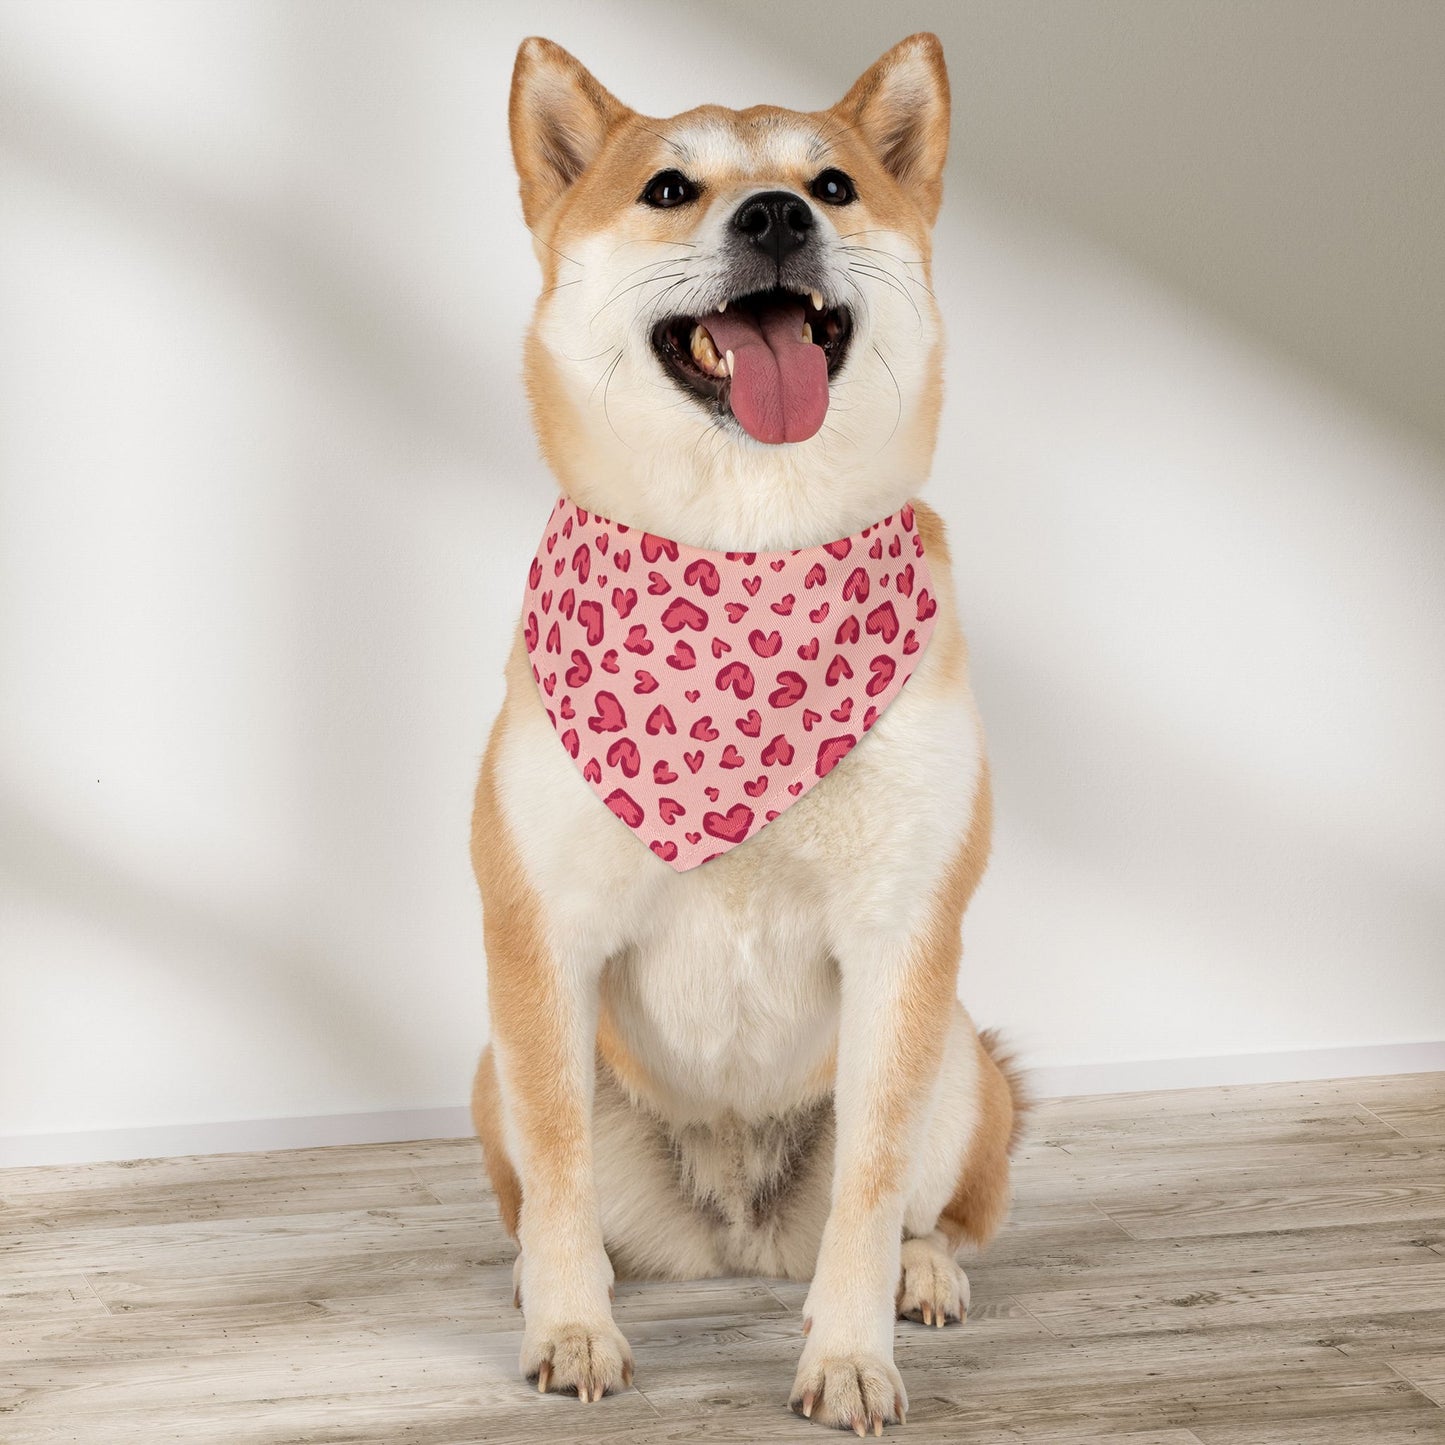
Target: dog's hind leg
(961, 1194)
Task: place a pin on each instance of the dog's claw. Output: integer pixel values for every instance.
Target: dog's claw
(543, 1375)
(878, 1424)
(859, 1428)
(807, 1404)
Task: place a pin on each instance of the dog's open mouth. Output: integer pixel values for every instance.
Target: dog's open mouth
(767, 358)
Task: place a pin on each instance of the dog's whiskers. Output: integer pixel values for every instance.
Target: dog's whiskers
(899, 417)
(646, 281)
(863, 268)
(539, 240)
(637, 271)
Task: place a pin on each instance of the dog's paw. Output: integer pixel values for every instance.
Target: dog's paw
(933, 1289)
(588, 1360)
(849, 1391)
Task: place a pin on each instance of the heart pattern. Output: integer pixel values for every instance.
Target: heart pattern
(740, 707)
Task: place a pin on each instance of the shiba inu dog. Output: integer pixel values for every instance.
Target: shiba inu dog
(757, 1064)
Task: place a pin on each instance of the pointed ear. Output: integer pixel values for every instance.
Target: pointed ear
(559, 117)
(900, 106)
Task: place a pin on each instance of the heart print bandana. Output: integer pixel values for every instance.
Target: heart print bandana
(700, 693)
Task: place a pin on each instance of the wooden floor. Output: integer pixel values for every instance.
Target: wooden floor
(1252, 1266)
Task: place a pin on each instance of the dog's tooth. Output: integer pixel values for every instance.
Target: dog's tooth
(817, 299)
(722, 308)
(807, 332)
(704, 352)
(730, 363)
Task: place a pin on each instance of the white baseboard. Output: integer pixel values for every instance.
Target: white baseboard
(243, 1136)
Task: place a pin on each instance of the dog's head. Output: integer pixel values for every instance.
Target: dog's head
(736, 341)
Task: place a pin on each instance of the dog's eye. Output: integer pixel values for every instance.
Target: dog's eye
(669, 188)
(833, 188)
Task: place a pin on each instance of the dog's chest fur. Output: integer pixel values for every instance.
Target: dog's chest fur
(724, 979)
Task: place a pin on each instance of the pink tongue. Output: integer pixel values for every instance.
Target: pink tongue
(780, 382)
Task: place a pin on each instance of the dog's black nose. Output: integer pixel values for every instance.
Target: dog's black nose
(776, 222)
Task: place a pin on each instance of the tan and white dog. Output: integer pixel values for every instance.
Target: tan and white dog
(758, 1065)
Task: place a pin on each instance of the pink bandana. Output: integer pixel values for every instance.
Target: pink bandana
(701, 693)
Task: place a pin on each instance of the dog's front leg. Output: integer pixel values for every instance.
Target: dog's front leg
(896, 1004)
(544, 1026)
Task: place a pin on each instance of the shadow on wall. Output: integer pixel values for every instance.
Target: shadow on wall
(1280, 165)
(290, 262)
(286, 991)
(227, 606)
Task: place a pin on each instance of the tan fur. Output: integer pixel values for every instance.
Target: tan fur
(487, 1120)
(521, 984)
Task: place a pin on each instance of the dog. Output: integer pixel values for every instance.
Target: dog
(749, 1060)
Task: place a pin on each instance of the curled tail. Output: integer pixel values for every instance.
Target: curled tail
(1021, 1102)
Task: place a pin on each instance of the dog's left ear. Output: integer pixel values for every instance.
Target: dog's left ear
(900, 106)
(560, 116)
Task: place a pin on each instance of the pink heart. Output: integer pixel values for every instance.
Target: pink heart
(732, 826)
(610, 717)
(791, 686)
(625, 806)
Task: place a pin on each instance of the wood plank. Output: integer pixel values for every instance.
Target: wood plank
(1422, 1119)
(1156, 1216)
(32, 1297)
(1015, 1264)
(1426, 1372)
(269, 1193)
(1410, 1425)
(1334, 1295)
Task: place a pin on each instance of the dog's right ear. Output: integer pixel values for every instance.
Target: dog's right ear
(560, 117)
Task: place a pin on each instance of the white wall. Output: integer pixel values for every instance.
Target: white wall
(266, 489)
